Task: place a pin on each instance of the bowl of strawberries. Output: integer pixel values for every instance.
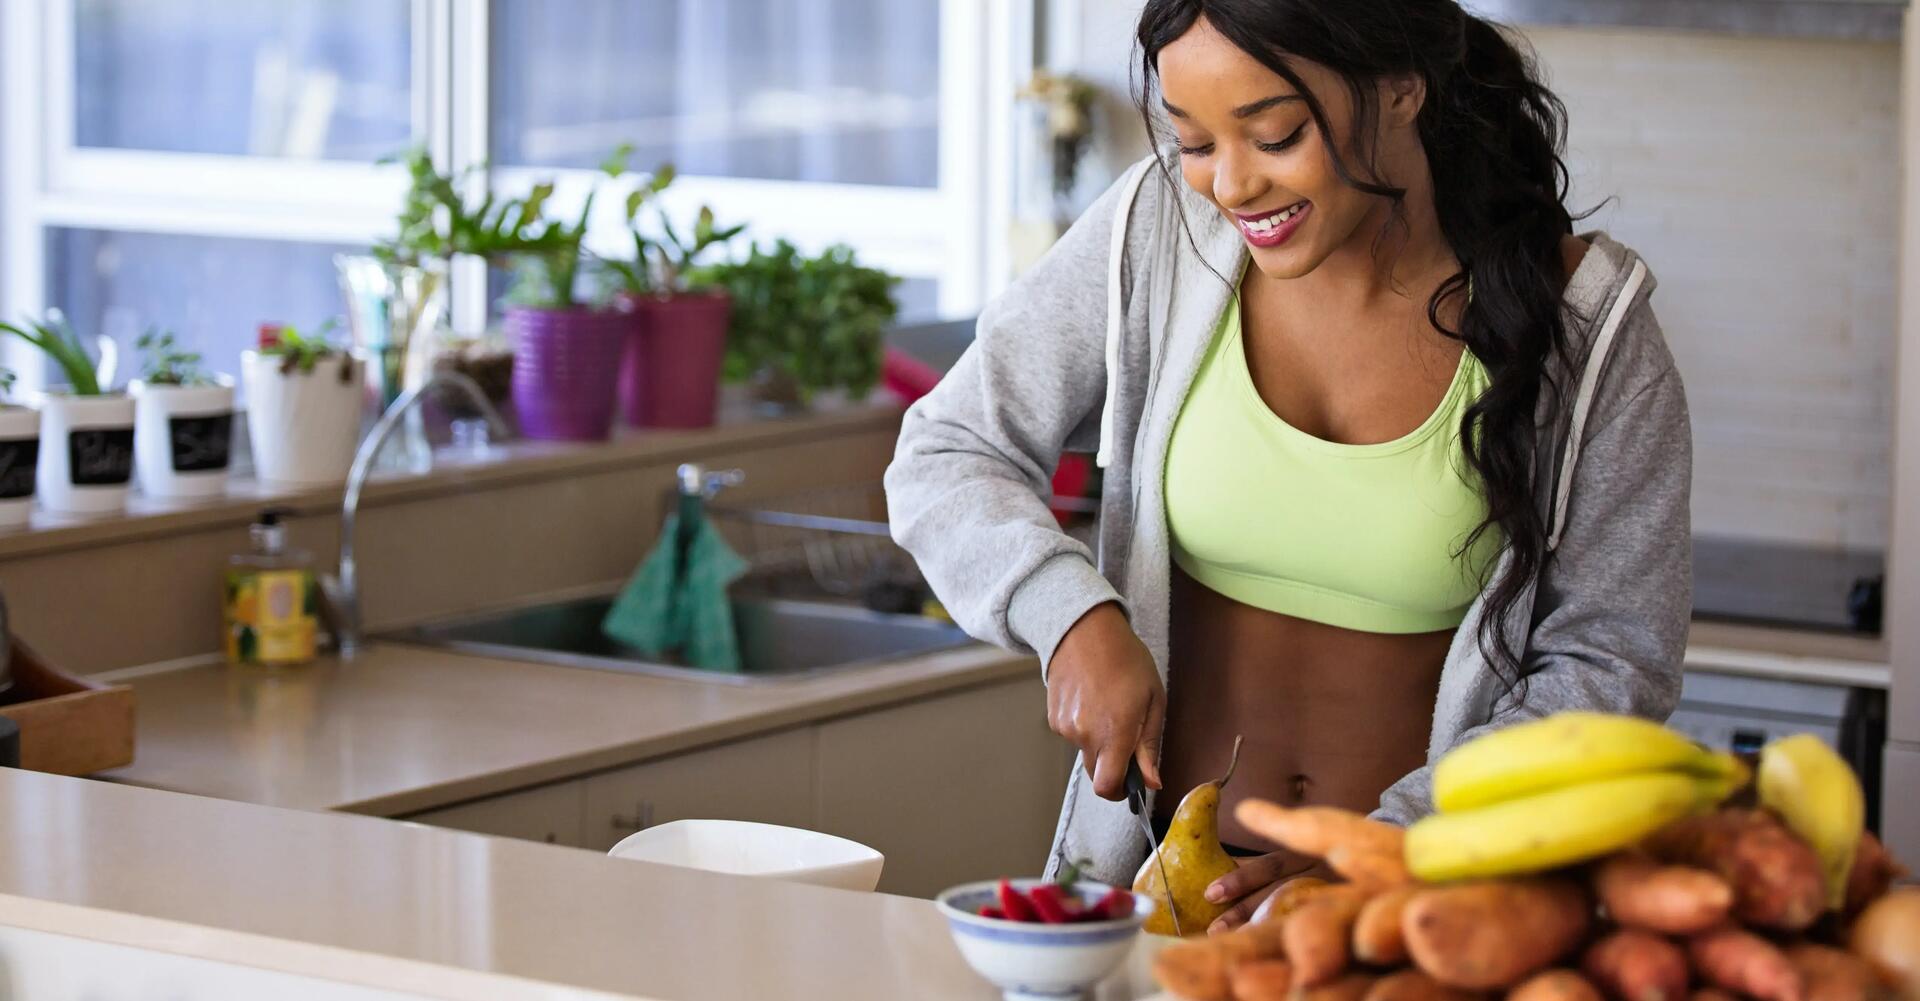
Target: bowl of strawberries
(1036, 938)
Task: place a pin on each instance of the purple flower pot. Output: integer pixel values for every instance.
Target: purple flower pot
(671, 375)
(566, 366)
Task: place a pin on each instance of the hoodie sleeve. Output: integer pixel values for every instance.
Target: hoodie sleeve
(1615, 600)
(968, 487)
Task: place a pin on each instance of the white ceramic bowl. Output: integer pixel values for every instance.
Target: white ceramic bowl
(742, 849)
(1029, 962)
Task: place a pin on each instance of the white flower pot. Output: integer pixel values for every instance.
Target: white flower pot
(19, 454)
(304, 426)
(183, 438)
(86, 453)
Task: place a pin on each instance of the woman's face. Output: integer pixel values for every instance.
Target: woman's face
(1248, 142)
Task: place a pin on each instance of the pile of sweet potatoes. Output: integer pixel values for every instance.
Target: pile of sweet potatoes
(1717, 907)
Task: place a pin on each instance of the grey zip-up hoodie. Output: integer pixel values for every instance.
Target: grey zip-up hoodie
(1095, 347)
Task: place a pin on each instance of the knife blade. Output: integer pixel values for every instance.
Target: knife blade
(1137, 802)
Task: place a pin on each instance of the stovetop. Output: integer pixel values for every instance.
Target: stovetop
(1785, 584)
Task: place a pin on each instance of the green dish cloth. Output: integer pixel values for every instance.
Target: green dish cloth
(681, 605)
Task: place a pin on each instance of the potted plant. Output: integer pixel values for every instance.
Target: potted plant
(86, 432)
(804, 325)
(303, 407)
(671, 375)
(567, 353)
(19, 453)
(183, 422)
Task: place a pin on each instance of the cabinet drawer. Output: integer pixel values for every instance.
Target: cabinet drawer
(952, 789)
(766, 779)
(551, 813)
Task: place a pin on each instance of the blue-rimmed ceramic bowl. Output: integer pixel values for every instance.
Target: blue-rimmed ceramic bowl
(1031, 962)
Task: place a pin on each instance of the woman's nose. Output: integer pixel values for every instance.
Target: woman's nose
(1235, 183)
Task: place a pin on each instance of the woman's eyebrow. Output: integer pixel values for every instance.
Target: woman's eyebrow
(1243, 111)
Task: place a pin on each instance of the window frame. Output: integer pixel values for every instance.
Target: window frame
(953, 232)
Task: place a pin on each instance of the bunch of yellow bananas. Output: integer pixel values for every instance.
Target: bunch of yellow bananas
(1570, 787)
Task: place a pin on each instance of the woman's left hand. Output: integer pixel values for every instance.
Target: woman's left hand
(1250, 885)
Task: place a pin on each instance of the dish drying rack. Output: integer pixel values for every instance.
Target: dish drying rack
(837, 540)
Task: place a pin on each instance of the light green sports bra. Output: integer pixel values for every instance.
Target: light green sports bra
(1362, 537)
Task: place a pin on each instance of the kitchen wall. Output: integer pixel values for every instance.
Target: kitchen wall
(1759, 179)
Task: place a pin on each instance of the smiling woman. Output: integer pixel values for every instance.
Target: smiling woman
(1392, 456)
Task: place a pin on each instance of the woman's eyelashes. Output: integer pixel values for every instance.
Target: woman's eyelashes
(1289, 142)
(1204, 149)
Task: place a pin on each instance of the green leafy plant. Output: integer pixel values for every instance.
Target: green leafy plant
(437, 222)
(56, 339)
(300, 352)
(670, 263)
(7, 379)
(168, 364)
(818, 320)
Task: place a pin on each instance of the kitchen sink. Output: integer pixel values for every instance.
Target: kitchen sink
(780, 639)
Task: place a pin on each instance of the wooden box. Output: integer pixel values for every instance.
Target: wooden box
(68, 726)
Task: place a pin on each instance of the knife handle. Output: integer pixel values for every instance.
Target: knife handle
(1136, 786)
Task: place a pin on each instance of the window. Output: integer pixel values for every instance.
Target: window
(197, 163)
(293, 78)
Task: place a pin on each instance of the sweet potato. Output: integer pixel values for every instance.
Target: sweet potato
(1366, 852)
(1887, 936)
(1488, 935)
(1833, 974)
(1555, 985)
(1194, 970)
(1252, 942)
(1712, 994)
(1266, 980)
(1319, 935)
(1349, 987)
(1288, 898)
(1775, 877)
(1632, 964)
(1415, 985)
(1874, 870)
(1377, 938)
(1669, 899)
(1745, 963)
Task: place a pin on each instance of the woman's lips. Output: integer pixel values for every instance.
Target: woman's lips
(1273, 228)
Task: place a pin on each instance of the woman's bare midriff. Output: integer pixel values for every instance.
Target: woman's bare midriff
(1331, 716)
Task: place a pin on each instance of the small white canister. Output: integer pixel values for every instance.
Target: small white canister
(19, 457)
(86, 453)
(183, 438)
(304, 424)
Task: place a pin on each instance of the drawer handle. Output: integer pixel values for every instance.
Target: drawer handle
(641, 820)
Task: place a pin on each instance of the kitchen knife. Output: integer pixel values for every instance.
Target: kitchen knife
(1137, 802)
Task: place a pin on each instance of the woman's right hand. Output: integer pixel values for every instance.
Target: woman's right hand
(1104, 695)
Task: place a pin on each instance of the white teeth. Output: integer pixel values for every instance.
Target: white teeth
(1279, 218)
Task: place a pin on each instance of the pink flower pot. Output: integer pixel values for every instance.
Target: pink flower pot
(670, 377)
(566, 367)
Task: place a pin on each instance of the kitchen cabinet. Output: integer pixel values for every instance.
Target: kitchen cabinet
(962, 787)
(767, 779)
(550, 813)
(952, 788)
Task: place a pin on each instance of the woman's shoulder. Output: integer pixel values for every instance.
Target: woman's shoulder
(1610, 317)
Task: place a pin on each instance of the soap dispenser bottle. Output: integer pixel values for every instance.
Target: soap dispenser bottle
(272, 599)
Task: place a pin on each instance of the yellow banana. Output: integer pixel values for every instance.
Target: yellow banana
(1557, 827)
(1564, 749)
(1815, 791)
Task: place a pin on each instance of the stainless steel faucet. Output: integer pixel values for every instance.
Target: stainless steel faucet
(343, 590)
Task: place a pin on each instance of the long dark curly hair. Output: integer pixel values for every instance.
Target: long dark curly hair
(1494, 138)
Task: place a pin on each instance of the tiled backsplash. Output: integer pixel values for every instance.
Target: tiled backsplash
(1758, 177)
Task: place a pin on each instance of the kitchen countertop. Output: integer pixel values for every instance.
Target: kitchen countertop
(450, 915)
(404, 729)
